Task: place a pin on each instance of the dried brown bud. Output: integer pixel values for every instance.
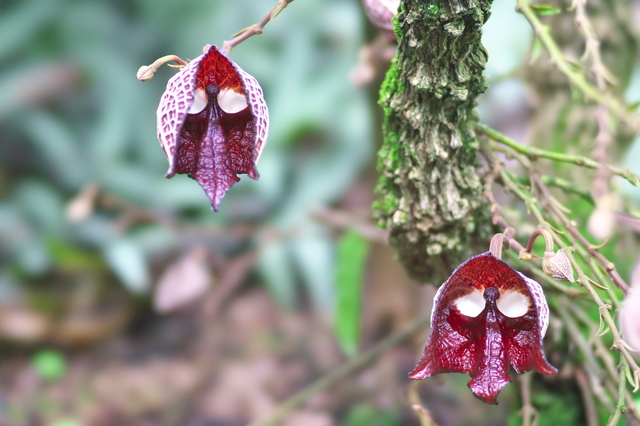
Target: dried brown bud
(557, 265)
(145, 73)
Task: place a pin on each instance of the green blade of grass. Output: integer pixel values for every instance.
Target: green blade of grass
(352, 254)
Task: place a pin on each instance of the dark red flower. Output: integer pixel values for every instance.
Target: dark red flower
(213, 123)
(486, 317)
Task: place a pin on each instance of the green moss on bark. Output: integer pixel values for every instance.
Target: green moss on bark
(430, 196)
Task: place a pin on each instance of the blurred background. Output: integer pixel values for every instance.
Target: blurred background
(124, 300)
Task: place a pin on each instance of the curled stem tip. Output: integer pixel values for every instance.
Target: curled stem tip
(554, 264)
(497, 241)
(548, 240)
(146, 72)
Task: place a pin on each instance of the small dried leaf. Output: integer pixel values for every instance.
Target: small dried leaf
(183, 282)
(525, 255)
(81, 206)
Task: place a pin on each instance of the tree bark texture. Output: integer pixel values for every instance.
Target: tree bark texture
(429, 192)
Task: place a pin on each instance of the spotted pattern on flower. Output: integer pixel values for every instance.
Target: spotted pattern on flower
(213, 123)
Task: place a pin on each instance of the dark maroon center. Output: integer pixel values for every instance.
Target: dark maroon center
(491, 295)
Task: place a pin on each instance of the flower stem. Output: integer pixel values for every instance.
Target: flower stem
(621, 404)
(253, 29)
(533, 152)
(340, 373)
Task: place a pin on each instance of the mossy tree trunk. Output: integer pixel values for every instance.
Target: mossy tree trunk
(430, 194)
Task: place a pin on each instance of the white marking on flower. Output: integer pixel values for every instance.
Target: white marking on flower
(231, 101)
(513, 304)
(199, 101)
(471, 304)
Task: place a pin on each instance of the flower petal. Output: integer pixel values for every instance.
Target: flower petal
(485, 346)
(213, 123)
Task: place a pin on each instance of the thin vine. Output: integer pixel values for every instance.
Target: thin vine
(254, 29)
(146, 72)
(578, 79)
(549, 215)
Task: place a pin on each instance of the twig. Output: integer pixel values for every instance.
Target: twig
(554, 205)
(146, 72)
(615, 375)
(342, 220)
(603, 308)
(621, 406)
(591, 413)
(600, 186)
(528, 412)
(600, 350)
(543, 32)
(417, 406)
(560, 183)
(498, 220)
(572, 292)
(254, 29)
(631, 407)
(609, 266)
(593, 369)
(533, 152)
(232, 276)
(592, 45)
(340, 373)
(602, 382)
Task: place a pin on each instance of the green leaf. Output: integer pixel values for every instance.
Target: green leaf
(352, 254)
(314, 255)
(276, 269)
(72, 258)
(20, 25)
(57, 146)
(536, 49)
(545, 9)
(368, 415)
(128, 261)
(49, 364)
(66, 422)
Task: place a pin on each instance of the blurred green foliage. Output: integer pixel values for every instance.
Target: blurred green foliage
(362, 415)
(49, 364)
(73, 114)
(352, 255)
